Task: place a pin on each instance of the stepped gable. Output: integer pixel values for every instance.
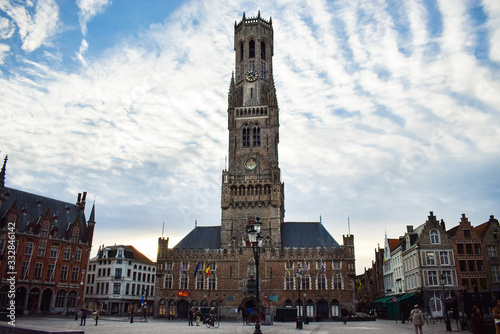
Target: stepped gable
(204, 237)
(311, 234)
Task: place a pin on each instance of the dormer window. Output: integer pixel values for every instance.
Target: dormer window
(435, 237)
(75, 234)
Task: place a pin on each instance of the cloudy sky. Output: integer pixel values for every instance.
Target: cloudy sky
(388, 110)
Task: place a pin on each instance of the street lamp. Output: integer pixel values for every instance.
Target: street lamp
(446, 319)
(299, 278)
(255, 238)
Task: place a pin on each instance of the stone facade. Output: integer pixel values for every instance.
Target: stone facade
(215, 266)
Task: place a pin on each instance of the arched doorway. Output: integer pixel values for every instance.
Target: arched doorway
(33, 298)
(162, 306)
(21, 293)
(335, 306)
(46, 299)
(322, 309)
(182, 308)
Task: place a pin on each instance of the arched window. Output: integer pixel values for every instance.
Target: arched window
(435, 237)
(169, 280)
(241, 52)
(184, 282)
(246, 136)
(75, 234)
(289, 281)
(263, 50)
(60, 298)
(251, 49)
(200, 280)
(212, 281)
(321, 281)
(256, 135)
(337, 282)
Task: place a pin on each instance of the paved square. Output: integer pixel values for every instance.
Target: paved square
(111, 325)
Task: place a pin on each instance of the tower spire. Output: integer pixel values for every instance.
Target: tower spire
(2, 171)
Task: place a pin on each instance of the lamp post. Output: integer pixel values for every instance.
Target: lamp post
(255, 238)
(299, 278)
(445, 309)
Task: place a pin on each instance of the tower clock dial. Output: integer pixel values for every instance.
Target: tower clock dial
(251, 164)
(251, 76)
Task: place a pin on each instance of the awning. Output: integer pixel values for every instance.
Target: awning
(382, 300)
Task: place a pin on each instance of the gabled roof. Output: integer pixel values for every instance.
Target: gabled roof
(205, 237)
(35, 206)
(306, 235)
(481, 229)
(453, 231)
(393, 243)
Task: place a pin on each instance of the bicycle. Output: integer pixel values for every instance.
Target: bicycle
(212, 321)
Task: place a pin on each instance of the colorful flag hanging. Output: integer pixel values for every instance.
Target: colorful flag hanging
(306, 267)
(207, 270)
(197, 268)
(323, 269)
(180, 269)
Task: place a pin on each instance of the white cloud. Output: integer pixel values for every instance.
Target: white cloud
(4, 48)
(6, 28)
(492, 9)
(89, 9)
(366, 131)
(35, 29)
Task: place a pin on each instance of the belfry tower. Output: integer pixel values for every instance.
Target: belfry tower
(251, 186)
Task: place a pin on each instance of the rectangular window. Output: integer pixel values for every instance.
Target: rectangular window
(336, 265)
(337, 282)
(472, 265)
(443, 256)
(468, 248)
(38, 270)
(127, 288)
(24, 269)
(447, 277)
(465, 283)
(289, 282)
(480, 265)
(118, 273)
(467, 233)
(28, 249)
(41, 250)
(67, 253)
(116, 288)
(169, 266)
(74, 274)
(133, 289)
(492, 251)
(50, 272)
(78, 254)
(463, 265)
(477, 249)
(107, 288)
(321, 282)
(460, 248)
(430, 258)
(212, 282)
(169, 281)
(495, 273)
(64, 272)
(184, 282)
(432, 277)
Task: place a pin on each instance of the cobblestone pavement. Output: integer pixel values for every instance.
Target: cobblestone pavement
(111, 325)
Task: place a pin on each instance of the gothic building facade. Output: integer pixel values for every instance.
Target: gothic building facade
(214, 265)
(45, 246)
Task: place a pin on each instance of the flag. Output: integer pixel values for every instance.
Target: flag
(323, 269)
(197, 268)
(180, 269)
(306, 267)
(207, 270)
(288, 268)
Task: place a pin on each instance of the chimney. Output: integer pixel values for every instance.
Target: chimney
(409, 228)
(79, 198)
(82, 204)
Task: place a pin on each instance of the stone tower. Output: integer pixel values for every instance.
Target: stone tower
(251, 186)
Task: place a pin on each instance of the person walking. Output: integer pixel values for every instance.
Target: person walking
(477, 321)
(83, 317)
(96, 317)
(496, 315)
(191, 316)
(417, 318)
(198, 316)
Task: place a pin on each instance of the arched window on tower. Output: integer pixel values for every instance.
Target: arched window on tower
(251, 49)
(263, 50)
(256, 135)
(241, 52)
(246, 136)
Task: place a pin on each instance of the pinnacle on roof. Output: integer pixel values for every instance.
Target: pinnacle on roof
(2, 171)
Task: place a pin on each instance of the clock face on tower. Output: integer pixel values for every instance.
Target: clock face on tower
(251, 164)
(251, 76)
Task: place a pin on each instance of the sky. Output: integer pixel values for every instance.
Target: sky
(388, 111)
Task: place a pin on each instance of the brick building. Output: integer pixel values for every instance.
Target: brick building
(215, 265)
(52, 242)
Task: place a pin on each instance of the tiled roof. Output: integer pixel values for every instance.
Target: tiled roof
(481, 229)
(205, 237)
(306, 235)
(393, 243)
(453, 231)
(36, 206)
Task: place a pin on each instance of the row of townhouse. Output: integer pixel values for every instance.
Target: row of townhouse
(446, 271)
